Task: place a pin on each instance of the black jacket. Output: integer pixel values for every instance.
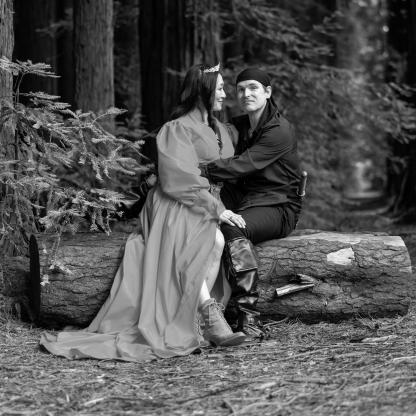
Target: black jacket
(266, 165)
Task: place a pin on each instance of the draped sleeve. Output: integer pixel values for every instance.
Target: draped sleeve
(179, 175)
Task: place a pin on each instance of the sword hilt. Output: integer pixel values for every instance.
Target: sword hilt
(302, 184)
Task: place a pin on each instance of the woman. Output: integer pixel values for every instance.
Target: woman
(167, 272)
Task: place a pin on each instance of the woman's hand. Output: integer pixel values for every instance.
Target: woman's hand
(231, 218)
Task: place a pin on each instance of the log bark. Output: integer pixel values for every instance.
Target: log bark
(354, 274)
(15, 287)
(74, 280)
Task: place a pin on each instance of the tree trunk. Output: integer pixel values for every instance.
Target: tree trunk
(8, 150)
(127, 57)
(401, 69)
(65, 42)
(6, 78)
(183, 33)
(93, 54)
(36, 40)
(355, 274)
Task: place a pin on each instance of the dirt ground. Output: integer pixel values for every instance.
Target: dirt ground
(359, 367)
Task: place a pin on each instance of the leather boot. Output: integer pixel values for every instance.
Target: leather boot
(216, 328)
(242, 272)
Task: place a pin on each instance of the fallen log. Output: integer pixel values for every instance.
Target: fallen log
(73, 276)
(353, 274)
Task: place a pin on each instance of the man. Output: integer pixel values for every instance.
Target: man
(260, 185)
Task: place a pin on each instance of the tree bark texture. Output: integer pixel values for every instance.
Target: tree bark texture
(80, 281)
(411, 58)
(36, 40)
(65, 42)
(93, 54)
(6, 78)
(401, 69)
(127, 75)
(15, 287)
(355, 274)
(184, 33)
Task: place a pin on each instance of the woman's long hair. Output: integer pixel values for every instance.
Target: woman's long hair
(198, 86)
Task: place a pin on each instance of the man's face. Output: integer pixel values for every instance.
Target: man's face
(252, 95)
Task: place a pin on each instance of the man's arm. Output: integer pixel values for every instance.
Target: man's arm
(271, 147)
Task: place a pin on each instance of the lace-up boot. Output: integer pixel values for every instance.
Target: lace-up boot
(216, 328)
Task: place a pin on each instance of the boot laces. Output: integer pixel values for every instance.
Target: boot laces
(220, 308)
(197, 325)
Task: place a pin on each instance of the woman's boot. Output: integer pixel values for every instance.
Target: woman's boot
(216, 328)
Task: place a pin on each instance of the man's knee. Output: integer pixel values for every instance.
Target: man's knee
(230, 232)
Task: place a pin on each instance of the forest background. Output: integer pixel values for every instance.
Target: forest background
(70, 144)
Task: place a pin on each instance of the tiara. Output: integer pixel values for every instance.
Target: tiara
(212, 69)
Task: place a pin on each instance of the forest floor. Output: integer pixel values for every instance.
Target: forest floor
(362, 366)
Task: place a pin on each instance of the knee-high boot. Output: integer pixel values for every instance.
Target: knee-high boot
(242, 271)
(242, 274)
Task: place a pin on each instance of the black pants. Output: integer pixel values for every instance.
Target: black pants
(262, 223)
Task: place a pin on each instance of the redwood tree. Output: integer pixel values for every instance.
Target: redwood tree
(6, 79)
(35, 39)
(173, 36)
(127, 76)
(402, 69)
(65, 57)
(93, 54)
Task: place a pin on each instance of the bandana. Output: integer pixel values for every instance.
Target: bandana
(253, 74)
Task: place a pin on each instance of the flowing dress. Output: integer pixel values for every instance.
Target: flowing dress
(151, 310)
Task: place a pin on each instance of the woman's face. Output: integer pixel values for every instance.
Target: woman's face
(219, 94)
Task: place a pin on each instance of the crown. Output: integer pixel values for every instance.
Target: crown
(212, 69)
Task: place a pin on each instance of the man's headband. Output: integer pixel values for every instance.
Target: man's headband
(253, 74)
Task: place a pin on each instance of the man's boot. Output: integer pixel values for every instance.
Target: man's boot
(243, 276)
(216, 328)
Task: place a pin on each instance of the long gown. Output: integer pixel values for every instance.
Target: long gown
(151, 310)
